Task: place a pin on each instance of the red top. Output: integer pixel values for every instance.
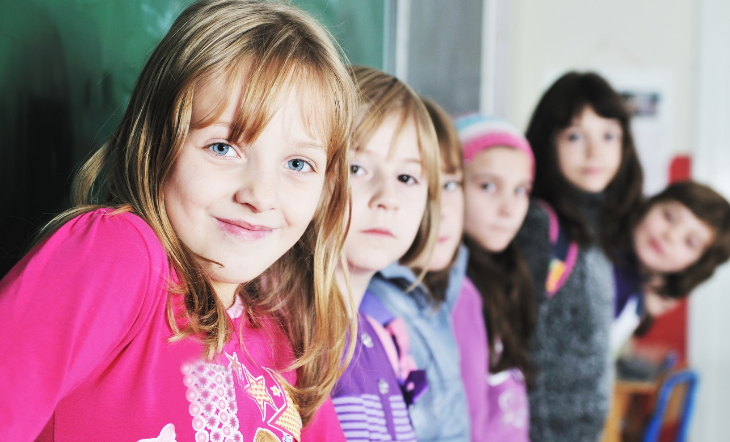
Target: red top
(85, 352)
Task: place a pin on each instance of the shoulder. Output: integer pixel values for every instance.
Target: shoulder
(468, 307)
(125, 231)
(114, 240)
(391, 292)
(98, 250)
(469, 295)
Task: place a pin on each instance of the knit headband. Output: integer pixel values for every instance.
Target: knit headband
(479, 132)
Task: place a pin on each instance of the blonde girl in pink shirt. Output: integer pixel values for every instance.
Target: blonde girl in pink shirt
(190, 294)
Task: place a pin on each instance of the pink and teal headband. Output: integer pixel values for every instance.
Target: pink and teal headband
(479, 132)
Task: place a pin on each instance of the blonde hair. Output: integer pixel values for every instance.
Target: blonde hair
(382, 95)
(274, 47)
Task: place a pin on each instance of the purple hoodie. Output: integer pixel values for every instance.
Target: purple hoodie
(497, 402)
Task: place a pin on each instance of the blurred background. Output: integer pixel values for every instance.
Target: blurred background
(67, 68)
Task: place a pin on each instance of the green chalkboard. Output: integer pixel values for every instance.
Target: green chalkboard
(357, 25)
(67, 68)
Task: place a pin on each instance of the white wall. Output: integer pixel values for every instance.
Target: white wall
(709, 327)
(689, 39)
(596, 34)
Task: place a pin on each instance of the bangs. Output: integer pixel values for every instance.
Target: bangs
(322, 97)
(580, 90)
(706, 204)
(371, 116)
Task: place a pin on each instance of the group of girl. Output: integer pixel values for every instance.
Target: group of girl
(275, 247)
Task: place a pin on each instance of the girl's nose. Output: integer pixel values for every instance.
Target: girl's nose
(506, 206)
(385, 195)
(671, 235)
(258, 188)
(591, 148)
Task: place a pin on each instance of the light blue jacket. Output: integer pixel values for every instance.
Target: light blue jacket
(441, 414)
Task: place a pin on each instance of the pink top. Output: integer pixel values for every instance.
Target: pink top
(497, 402)
(85, 352)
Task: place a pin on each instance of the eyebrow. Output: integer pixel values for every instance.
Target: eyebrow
(413, 160)
(486, 175)
(298, 143)
(310, 145)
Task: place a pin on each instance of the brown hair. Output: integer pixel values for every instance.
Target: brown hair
(452, 161)
(383, 95)
(273, 47)
(710, 207)
(559, 105)
(509, 305)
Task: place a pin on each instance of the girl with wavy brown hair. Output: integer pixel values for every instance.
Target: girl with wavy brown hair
(190, 293)
(677, 240)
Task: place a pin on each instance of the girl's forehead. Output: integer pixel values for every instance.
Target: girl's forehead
(500, 156)
(505, 163)
(687, 218)
(219, 100)
(394, 138)
(588, 117)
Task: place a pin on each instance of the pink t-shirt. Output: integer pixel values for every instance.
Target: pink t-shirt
(85, 352)
(497, 402)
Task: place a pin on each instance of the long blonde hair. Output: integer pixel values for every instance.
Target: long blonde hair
(383, 95)
(276, 47)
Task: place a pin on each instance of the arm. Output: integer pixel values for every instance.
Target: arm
(69, 304)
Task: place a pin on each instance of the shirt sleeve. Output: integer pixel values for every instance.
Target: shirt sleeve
(73, 301)
(324, 426)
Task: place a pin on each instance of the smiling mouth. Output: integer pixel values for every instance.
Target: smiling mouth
(656, 246)
(383, 233)
(443, 239)
(243, 230)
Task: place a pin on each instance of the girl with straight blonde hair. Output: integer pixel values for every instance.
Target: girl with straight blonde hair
(395, 213)
(190, 294)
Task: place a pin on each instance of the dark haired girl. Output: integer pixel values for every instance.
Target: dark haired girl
(680, 237)
(588, 173)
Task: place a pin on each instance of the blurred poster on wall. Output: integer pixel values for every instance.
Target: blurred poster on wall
(649, 95)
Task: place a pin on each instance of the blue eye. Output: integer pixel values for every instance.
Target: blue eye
(299, 165)
(573, 137)
(222, 149)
